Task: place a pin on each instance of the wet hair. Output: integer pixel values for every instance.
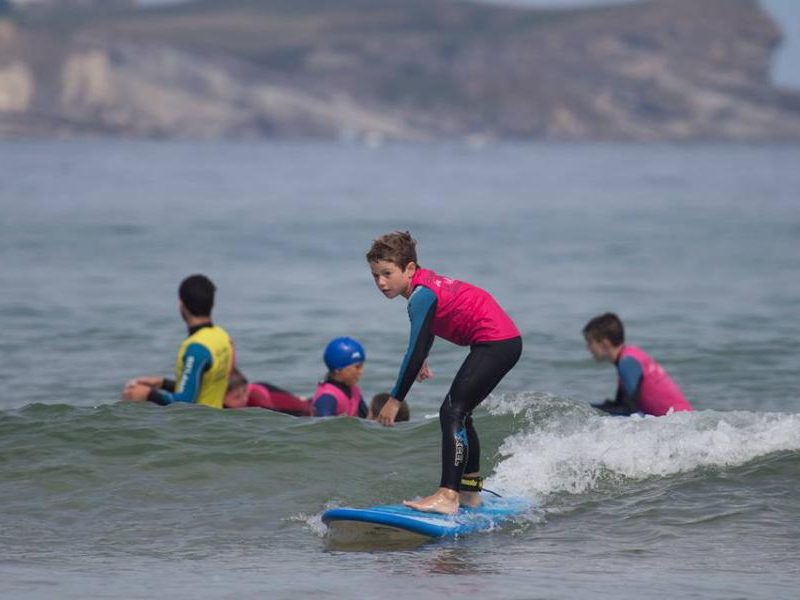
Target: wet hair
(378, 401)
(197, 294)
(607, 326)
(398, 248)
(236, 380)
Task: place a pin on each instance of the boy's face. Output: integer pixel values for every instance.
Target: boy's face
(237, 397)
(391, 279)
(599, 349)
(350, 374)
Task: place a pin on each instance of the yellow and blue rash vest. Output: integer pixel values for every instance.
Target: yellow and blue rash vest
(204, 363)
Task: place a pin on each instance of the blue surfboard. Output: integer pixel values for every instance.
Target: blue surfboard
(492, 513)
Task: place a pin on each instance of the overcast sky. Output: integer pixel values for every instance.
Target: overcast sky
(785, 12)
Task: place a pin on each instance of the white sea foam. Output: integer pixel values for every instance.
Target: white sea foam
(573, 453)
(314, 522)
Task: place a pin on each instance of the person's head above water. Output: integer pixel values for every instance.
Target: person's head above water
(607, 326)
(393, 262)
(342, 352)
(236, 380)
(345, 358)
(376, 405)
(604, 335)
(236, 395)
(398, 248)
(196, 293)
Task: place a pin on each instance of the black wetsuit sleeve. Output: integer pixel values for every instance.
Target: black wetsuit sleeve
(421, 309)
(621, 405)
(156, 397)
(629, 388)
(363, 410)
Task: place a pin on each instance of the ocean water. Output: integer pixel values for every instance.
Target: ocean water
(696, 247)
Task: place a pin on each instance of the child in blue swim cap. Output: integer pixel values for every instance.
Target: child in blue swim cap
(339, 394)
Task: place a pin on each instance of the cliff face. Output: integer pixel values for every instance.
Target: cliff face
(406, 69)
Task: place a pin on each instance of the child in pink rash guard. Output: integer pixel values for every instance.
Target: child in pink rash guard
(644, 386)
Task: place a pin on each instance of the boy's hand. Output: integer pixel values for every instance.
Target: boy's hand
(136, 392)
(425, 372)
(388, 413)
(155, 382)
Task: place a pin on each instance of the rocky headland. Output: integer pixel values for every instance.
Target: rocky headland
(396, 69)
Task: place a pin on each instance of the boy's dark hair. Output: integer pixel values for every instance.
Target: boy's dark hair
(397, 247)
(197, 294)
(236, 380)
(605, 327)
(378, 400)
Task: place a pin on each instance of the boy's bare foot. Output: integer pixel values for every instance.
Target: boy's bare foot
(444, 501)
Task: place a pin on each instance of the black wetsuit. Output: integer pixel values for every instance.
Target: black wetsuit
(485, 366)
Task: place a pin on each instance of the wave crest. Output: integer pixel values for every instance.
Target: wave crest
(574, 455)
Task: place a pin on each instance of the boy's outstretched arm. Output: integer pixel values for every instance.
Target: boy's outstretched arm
(421, 308)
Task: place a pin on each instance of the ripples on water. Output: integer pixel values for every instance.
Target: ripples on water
(696, 248)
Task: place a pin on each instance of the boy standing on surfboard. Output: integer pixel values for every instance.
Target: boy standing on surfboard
(462, 314)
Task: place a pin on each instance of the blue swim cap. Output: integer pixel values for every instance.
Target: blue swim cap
(342, 352)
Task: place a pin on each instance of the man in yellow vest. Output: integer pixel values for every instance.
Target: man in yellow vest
(204, 360)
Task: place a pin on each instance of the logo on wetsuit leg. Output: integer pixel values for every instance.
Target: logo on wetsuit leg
(460, 438)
